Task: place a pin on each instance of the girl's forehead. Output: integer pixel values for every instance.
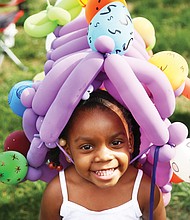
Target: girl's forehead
(98, 114)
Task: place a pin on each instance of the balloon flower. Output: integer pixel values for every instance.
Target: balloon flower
(45, 22)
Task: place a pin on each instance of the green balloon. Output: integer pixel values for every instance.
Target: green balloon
(39, 25)
(45, 22)
(13, 167)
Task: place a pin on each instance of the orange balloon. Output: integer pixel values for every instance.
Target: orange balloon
(186, 91)
(176, 179)
(93, 6)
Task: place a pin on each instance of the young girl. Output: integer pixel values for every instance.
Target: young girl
(100, 139)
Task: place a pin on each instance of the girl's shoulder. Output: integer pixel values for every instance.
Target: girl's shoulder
(54, 188)
(51, 200)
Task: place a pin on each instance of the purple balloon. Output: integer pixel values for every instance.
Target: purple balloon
(33, 174)
(76, 24)
(53, 82)
(69, 37)
(178, 133)
(27, 97)
(29, 123)
(157, 83)
(136, 99)
(37, 153)
(61, 110)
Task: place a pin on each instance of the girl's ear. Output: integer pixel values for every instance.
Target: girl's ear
(131, 142)
(65, 146)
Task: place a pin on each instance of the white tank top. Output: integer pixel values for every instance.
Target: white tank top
(72, 211)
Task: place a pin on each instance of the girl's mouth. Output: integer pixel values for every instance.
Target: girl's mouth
(105, 173)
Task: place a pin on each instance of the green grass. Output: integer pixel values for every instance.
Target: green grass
(171, 19)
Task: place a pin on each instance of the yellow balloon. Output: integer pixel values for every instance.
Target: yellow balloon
(173, 65)
(39, 77)
(146, 29)
(83, 2)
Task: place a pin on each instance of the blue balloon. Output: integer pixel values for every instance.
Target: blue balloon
(14, 97)
(114, 21)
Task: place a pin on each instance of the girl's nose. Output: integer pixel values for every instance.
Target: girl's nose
(103, 154)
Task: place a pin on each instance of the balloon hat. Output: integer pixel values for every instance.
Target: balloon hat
(104, 49)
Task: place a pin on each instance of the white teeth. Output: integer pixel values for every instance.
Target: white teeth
(104, 172)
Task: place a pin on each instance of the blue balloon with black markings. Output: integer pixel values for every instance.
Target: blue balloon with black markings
(14, 97)
(113, 21)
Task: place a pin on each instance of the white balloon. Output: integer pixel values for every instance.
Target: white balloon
(181, 162)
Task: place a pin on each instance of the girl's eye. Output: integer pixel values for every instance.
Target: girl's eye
(87, 147)
(116, 143)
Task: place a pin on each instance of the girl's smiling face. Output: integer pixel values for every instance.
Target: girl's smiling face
(100, 145)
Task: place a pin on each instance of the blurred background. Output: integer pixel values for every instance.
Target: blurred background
(171, 19)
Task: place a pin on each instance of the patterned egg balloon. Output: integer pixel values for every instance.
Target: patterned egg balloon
(13, 167)
(113, 21)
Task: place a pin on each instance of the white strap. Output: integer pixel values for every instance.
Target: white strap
(63, 185)
(137, 184)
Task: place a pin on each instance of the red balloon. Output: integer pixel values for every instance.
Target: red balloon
(17, 141)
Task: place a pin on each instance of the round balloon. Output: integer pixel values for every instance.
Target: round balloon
(114, 21)
(146, 30)
(94, 6)
(13, 167)
(17, 141)
(14, 97)
(181, 162)
(173, 65)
